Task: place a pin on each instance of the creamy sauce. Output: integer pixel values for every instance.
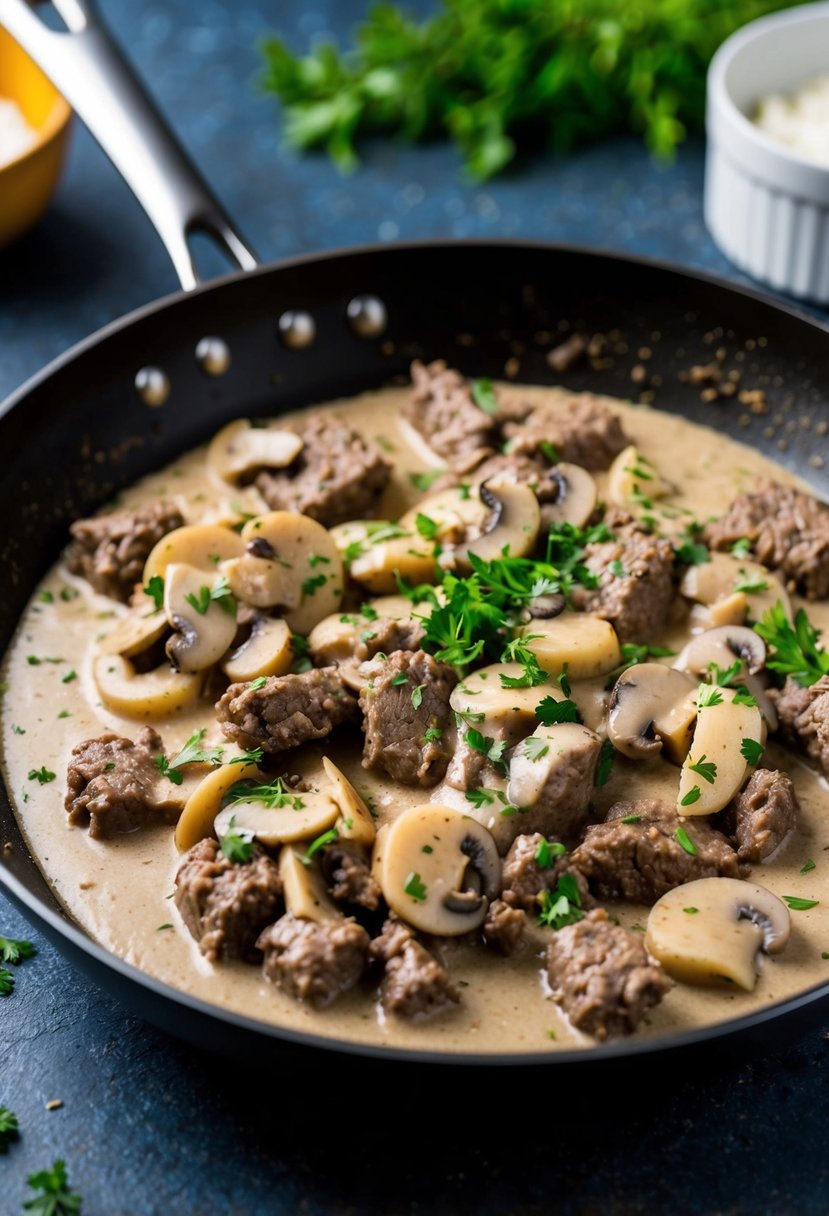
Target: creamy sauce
(119, 890)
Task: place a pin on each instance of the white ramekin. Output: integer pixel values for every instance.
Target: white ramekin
(766, 207)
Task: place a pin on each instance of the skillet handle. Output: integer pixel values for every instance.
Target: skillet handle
(87, 67)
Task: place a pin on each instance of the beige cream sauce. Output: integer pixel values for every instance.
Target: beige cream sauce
(116, 890)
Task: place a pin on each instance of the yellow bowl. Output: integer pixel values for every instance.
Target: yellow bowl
(28, 182)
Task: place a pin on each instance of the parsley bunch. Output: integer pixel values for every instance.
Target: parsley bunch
(795, 649)
(499, 75)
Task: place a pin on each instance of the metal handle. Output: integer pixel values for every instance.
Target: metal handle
(89, 70)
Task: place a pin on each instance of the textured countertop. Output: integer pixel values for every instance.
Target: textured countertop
(147, 1124)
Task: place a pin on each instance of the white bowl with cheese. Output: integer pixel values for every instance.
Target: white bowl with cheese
(767, 204)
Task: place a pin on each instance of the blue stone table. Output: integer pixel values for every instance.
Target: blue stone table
(148, 1125)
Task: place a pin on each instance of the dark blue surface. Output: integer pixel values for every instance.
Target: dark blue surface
(147, 1125)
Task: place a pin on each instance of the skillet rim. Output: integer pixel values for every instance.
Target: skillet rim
(57, 926)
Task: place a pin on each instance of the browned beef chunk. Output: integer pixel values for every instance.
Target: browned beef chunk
(582, 431)
(415, 985)
(504, 926)
(348, 873)
(336, 477)
(227, 904)
(642, 860)
(469, 769)
(115, 785)
(524, 879)
(109, 551)
(636, 594)
(384, 636)
(804, 718)
(405, 702)
(442, 409)
(788, 531)
(762, 816)
(602, 976)
(314, 961)
(286, 710)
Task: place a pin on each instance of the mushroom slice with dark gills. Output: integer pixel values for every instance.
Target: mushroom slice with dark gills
(652, 710)
(717, 650)
(202, 614)
(438, 869)
(199, 545)
(500, 517)
(711, 931)
(239, 451)
(266, 651)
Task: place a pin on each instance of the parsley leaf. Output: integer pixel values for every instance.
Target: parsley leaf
(432, 734)
(422, 481)
(684, 839)
(155, 590)
(6, 982)
(633, 653)
(706, 769)
(57, 1199)
(8, 1127)
(562, 906)
(417, 696)
(254, 756)
(415, 887)
(12, 951)
(751, 751)
(428, 528)
(694, 794)
(319, 843)
(800, 905)
(491, 748)
(551, 711)
(808, 866)
(191, 753)
(749, 585)
(220, 593)
(481, 797)
(237, 843)
(273, 795)
(741, 547)
(691, 554)
(483, 394)
(605, 764)
(42, 775)
(535, 748)
(311, 585)
(547, 852)
(708, 695)
(795, 648)
(517, 651)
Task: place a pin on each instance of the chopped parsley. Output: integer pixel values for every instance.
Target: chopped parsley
(12, 951)
(67, 594)
(692, 554)
(258, 683)
(483, 394)
(18, 730)
(237, 843)
(191, 753)
(432, 734)
(706, 768)
(220, 593)
(804, 869)
(299, 649)
(42, 775)
(517, 651)
(6, 982)
(311, 585)
(743, 697)
(724, 677)
(691, 797)
(547, 449)
(422, 481)
(551, 712)
(491, 748)
(319, 843)
(8, 1127)
(69, 677)
(633, 653)
(417, 696)
(619, 570)
(46, 597)
(562, 906)
(56, 1198)
(800, 905)
(683, 839)
(749, 585)
(274, 795)
(751, 751)
(547, 852)
(400, 679)
(795, 649)
(605, 765)
(631, 819)
(427, 528)
(708, 696)
(535, 748)
(254, 756)
(482, 797)
(155, 590)
(316, 559)
(741, 547)
(415, 887)
(691, 911)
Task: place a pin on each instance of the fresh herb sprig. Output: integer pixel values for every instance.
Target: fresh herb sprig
(795, 649)
(56, 1197)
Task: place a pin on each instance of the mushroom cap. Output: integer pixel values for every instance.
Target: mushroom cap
(718, 737)
(410, 556)
(159, 693)
(238, 451)
(301, 816)
(205, 802)
(652, 706)
(356, 822)
(199, 545)
(577, 495)
(438, 869)
(717, 942)
(717, 581)
(722, 646)
(632, 475)
(586, 643)
(267, 652)
(508, 713)
(497, 517)
(290, 563)
(135, 632)
(199, 639)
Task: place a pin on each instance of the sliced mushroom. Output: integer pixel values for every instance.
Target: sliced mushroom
(204, 804)
(719, 581)
(501, 518)
(238, 451)
(587, 644)
(721, 647)
(290, 563)
(234, 512)
(532, 769)
(409, 556)
(306, 894)
(290, 816)
(438, 869)
(498, 712)
(715, 768)
(199, 638)
(711, 931)
(159, 693)
(652, 708)
(199, 545)
(730, 610)
(355, 822)
(632, 477)
(267, 652)
(136, 632)
(577, 496)
(334, 639)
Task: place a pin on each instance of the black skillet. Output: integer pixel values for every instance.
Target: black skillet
(138, 393)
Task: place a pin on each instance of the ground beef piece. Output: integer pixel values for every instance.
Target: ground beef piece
(415, 985)
(314, 961)
(788, 531)
(504, 927)
(336, 477)
(602, 976)
(442, 409)
(348, 873)
(637, 601)
(227, 904)
(469, 769)
(115, 785)
(804, 718)
(109, 551)
(525, 880)
(581, 431)
(407, 696)
(762, 816)
(640, 861)
(286, 710)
